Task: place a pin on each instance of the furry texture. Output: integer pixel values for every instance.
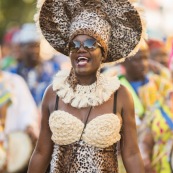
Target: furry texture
(55, 18)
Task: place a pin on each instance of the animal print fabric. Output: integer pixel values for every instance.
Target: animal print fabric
(80, 157)
(56, 18)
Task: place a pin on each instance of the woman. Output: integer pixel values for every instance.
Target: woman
(84, 113)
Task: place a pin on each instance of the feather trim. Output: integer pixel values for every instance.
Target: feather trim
(144, 36)
(36, 17)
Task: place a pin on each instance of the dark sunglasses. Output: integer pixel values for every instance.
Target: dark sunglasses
(89, 45)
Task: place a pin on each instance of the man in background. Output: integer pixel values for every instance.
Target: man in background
(18, 113)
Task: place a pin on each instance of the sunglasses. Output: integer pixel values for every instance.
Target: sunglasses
(89, 45)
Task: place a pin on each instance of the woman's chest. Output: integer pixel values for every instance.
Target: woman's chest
(100, 130)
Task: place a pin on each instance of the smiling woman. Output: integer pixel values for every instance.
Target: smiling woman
(85, 59)
(85, 114)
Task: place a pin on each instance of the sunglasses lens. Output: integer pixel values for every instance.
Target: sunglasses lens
(74, 46)
(89, 44)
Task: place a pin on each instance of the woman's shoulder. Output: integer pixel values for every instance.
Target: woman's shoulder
(49, 97)
(124, 91)
(124, 97)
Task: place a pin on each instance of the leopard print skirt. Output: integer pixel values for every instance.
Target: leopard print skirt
(80, 157)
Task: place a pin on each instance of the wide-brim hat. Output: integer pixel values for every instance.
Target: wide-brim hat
(127, 29)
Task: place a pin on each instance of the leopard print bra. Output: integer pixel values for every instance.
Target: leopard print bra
(93, 152)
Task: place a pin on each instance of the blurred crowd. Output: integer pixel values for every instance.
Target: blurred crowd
(149, 77)
(25, 73)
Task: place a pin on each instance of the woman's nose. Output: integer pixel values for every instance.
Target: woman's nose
(82, 49)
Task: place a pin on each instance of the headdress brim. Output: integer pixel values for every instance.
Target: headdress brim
(127, 27)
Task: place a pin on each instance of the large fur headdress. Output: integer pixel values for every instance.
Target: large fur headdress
(115, 24)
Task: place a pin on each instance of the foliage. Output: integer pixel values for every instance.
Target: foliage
(14, 13)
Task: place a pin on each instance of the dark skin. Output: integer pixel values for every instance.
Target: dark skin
(125, 111)
(136, 70)
(30, 54)
(137, 67)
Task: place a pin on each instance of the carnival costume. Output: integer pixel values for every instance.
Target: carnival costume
(151, 100)
(117, 27)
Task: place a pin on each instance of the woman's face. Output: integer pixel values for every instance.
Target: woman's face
(85, 61)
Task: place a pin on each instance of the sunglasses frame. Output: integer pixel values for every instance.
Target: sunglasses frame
(82, 44)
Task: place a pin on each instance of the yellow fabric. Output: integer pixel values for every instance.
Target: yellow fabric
(163, 135)
(157, 91)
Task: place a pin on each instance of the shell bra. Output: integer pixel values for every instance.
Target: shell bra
(96, 152)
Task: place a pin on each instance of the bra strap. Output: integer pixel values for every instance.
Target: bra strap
(115, 102)
(56, 103)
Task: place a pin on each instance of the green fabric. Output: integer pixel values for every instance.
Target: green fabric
(7, 62)
(139, 109)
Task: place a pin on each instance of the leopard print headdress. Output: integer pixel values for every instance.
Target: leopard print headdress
(115, 24)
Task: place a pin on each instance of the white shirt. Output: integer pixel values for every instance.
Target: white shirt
(23, 111)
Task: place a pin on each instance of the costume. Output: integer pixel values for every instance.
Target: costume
(91, 146)
(123, 26)
(99, 139)
(152, 106)
(22, 112)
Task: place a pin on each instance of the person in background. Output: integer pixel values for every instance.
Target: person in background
(50, 67)
(158, 51)
(18, 111)
(36, 72)
(153, 111)
(5, 101)
(10, 50)
(159, 58)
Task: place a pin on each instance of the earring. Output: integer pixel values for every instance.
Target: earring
(98, 72)
(72, 79)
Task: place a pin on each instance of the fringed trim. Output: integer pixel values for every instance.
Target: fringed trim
(120, 60)
(144, 36)
(36, 17)
(84, 96)
(133, 1)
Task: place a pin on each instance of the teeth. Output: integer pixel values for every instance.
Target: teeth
(82, 58)
(79, 58)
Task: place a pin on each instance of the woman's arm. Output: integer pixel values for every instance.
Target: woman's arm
(42, 154)
(129, 146)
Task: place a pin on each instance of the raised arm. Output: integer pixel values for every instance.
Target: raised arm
(129, 146)
(42, 154)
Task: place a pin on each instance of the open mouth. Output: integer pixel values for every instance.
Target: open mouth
(82, 61)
